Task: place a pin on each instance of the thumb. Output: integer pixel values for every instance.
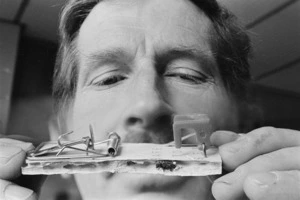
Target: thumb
(10, 191)
(219, 138)
(273, 185)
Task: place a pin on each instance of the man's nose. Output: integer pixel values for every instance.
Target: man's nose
(148, 107)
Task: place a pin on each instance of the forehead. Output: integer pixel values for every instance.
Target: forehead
(128, 22)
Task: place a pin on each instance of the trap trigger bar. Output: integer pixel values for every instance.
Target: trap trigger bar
(199, 123)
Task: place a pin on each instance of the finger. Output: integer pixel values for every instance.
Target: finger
(275, 185)
(17, 137)
(11, 160)
(24, 138)
(230, 186)
(25, 146)
(219, 138)
(12, 155)
(257, 142)
(10, 191)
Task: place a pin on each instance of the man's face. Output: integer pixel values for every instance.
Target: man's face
(141, 62)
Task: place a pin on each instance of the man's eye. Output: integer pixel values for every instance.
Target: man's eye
(187, 77)
(109, 81)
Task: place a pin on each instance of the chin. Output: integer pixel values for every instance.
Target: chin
(143, 187)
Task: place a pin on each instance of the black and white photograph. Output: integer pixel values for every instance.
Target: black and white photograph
(149, 99)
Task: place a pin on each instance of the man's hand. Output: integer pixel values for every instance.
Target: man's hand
(263, 164)
(12, 156)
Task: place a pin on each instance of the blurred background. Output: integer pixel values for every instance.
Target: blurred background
(29, 42)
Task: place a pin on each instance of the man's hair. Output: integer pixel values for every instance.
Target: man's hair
(229, 41)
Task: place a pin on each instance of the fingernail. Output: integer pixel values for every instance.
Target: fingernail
(264, 179)
(230, 178)
(7, 152)
(14, 192)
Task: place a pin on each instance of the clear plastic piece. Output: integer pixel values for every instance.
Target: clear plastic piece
(200, 123)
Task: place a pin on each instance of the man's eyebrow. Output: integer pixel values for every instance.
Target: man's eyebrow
(205, 59)
(105, 56)
(100, 58)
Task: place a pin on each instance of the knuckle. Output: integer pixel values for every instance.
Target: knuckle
(261, 135)
(268, 130)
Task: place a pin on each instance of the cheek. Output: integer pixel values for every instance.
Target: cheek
(211, 100)
(94, 108)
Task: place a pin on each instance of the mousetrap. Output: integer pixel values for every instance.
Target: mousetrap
(111, 155)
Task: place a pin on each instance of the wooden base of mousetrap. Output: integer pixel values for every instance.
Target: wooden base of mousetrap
(132, 158)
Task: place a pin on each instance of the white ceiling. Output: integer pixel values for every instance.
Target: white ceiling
(274, 26)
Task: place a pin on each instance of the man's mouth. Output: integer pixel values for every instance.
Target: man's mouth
(145, 182)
